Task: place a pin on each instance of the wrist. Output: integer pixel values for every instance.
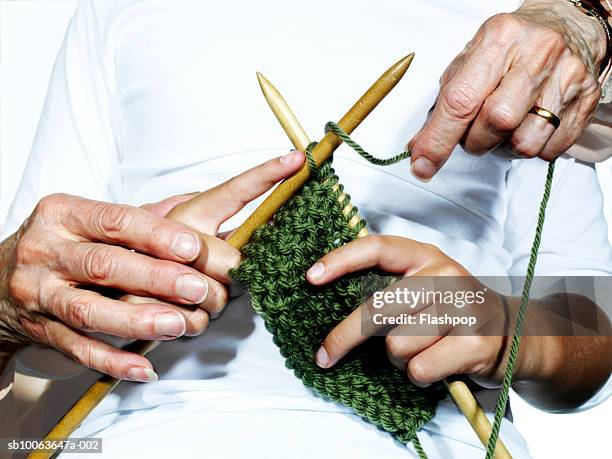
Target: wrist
(540, 352)
(584, 35)
(539, 359)
(600, 11)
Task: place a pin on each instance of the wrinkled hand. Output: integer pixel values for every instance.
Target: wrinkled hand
(547, 53)
(70, 247)
(425, 358)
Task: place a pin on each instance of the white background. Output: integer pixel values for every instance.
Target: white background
(31, 31)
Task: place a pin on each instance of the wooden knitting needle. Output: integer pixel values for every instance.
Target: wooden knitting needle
(322, 151)
(283, 192)
(85, 405)
(458, 390)
(297, 135)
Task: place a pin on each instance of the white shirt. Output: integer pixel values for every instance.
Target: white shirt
(154, 98)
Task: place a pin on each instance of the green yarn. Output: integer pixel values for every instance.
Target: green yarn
(336, 129)
(500, 408)
(300, 315)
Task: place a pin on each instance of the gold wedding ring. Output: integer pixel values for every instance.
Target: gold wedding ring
(547, 115)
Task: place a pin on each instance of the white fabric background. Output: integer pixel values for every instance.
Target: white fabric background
(31, 32)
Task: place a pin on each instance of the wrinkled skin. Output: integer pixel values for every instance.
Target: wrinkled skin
(547, 53)
(57, 268)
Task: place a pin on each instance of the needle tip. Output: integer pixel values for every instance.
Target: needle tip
(262, 79)
(407, 59)
(398, 69)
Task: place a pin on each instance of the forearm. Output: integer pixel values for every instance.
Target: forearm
(559, 371)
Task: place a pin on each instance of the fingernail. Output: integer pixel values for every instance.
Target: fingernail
(289, 157)
(186, 246)
(316, 271)
(423, 169)
(170, 324)
(322, 357)
(192, 288)
(418, 384)
(142, 374)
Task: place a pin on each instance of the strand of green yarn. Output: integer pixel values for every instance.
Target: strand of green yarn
(300, 315)
(500, 408)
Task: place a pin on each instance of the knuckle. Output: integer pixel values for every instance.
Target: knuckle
(216, 300)
(109, 365)
(378, 243)
(449, 270)
(233, 259)
(417, 371)
(592, 90)
(232, 189)
(552, 154)
(575, 68)
(98, 264)
(136, 325)
(197, 323)
(50, 204)
(30, 249)
(502, 21)
(335, 343)
(524, 145)
(431, 144)
(83, 353)
(34, 328)
(48, 335)
(461, 101)
(433, 249)
(156, 276)
(23, 249)
(523, 148)
(472, 147)
(395, 345)
(159, 233)
(14, 288)
(19, 287)
(78, 312)
(473, 345)
(554, 40)
(503, 118)
(502, 27)
(113, 219)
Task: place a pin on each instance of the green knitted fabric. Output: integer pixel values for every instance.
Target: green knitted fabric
(299, 315)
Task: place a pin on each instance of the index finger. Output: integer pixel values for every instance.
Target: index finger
(369, 320)
(345, 336)
(372, 251)
(131, 227)
(215, 206)
(458, 104)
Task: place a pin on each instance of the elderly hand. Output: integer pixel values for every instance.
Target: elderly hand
(547, 54)
(70, 247)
